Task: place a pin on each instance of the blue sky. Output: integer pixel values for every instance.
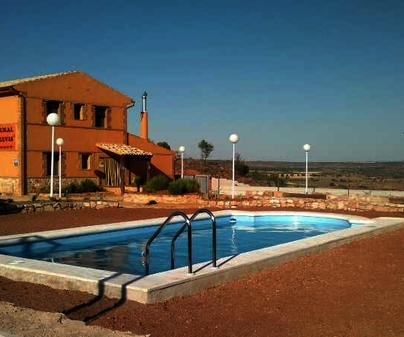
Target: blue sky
(278, 73)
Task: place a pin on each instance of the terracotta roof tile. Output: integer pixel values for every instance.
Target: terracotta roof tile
(122, 149)
(29, 79)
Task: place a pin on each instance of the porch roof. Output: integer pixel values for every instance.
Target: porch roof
(123, 150)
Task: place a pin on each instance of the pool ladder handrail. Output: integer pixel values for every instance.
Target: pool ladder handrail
(158, 231)
(179, 232)
(187, 224)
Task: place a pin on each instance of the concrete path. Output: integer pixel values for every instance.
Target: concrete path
(22, 322)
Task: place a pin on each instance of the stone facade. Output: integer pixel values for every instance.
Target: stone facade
(10, 186)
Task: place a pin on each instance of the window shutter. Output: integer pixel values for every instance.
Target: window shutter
(108, 118)
(61, 112)
(83, 112)
(93, 115)
(44, 112)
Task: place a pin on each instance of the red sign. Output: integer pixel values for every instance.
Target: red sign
(7, 136)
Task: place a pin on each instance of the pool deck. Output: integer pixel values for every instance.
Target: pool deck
(162, 286)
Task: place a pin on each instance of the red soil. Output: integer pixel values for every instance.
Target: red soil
(353, 290)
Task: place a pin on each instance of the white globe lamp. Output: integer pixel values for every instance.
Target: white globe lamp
(52, 119)
(233, 139)
(306, 148)
(182, 150)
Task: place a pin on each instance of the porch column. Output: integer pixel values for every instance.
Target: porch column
(148, 169)
(122, 168)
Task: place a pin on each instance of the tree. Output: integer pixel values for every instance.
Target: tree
(206, 149)
(277, 179)
(258, 177)
(164, 144)
(315, 181)
(240, 166)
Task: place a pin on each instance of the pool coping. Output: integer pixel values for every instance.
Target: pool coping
(165, 285)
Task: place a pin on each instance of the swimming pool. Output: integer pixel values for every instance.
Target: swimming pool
(161, 286)
(123, 250)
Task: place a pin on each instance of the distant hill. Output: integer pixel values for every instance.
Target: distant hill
(382, 175)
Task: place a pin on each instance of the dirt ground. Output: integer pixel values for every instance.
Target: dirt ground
(352, 290)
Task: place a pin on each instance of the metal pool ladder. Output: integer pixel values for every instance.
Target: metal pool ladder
(187, 225)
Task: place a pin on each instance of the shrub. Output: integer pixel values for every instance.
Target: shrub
(72, 187)
(157, 183)
(139, 180)
(86, 185)
(183, 186)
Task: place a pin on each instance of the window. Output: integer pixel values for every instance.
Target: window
(100, 117)
(85, 161)
(48, 160)
(78, 111)
(52, 107)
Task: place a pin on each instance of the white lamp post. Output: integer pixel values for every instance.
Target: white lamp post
(60, 142)
(306, 148)
(233, 139)
(182, 150)
(52, 119)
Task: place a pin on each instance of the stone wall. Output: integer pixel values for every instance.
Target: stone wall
(10, 186)
(43, 184)
(274, 200)
(7, 207)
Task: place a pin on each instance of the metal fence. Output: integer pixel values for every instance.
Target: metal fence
(203, 181)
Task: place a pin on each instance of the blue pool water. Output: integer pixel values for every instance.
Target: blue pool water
(121, 250)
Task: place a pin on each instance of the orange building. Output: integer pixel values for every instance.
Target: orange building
(93, 125)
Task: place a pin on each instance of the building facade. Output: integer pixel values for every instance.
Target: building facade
(93, 125)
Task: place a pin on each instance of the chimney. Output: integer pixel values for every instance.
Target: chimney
(144, 123)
